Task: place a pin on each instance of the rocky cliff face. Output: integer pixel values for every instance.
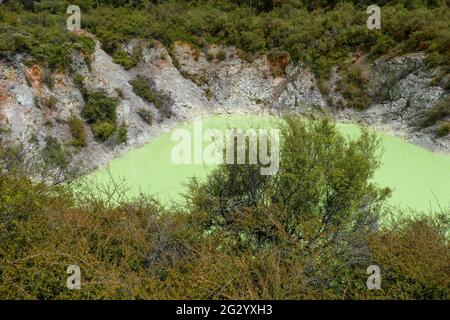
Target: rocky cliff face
(403, 91)
(197, 85)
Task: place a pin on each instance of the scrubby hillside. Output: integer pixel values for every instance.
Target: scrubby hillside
(72, 100)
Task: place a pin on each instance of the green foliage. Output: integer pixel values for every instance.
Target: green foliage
(353, 87)
(319, 33)
(99, 111)
(321, 38)
(55, 158)
(443, 128)
(99, 107)
(221, 55)
(142, 88)
(103, 130)
(122, 134)
(322, 178)
(78, 132)
(42, 35)
(122, 58)
(307, 233)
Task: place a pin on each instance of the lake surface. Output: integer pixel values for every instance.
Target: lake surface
(419, 178)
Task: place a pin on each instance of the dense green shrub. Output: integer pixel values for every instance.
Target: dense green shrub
(53, 152)
(99, 107)
(303, 189)
(126, 61)
(99, 111)
(78, 132)
(41, 34)
(103, 130)
(142, 88)
(319, 33)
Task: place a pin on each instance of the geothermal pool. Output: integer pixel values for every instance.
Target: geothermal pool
(419, 178)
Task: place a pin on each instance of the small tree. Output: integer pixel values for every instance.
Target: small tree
(322, 191)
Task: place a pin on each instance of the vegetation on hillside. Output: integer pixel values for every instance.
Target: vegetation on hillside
(143, 88)
(78, 132)
(308, 232)
(41, 33)
(433, 116)
(322, 34)
(99, 111)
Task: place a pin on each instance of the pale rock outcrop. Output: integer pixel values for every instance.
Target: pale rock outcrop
(198, 83)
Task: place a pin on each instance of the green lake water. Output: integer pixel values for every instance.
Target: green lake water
(419, 178)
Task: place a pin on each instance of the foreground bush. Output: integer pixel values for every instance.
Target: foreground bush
(309, 232)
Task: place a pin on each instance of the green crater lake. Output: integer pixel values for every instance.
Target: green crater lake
(420, 179)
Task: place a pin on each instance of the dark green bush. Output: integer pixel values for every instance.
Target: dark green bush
(127, 62)
(308, 233)
(78, 132)
(42, 35)
(321, 34)
(142, 88)
(99, 111)
(99, 107)
(103, 130)
(54, 155)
